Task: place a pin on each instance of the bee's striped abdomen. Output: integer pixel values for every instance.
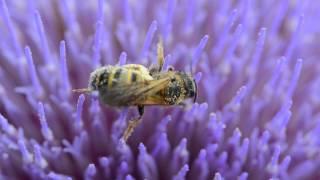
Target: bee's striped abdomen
(133, 77)
(115, 77)
(111, 76)
(127, 74)
(136, 73)
(100, 78)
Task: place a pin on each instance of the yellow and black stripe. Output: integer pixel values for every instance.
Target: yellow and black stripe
(111, 76)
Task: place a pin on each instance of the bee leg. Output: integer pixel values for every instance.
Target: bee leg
(160, 54)
(154, 69)
(130, 128)
(141, 110)
(133, 124)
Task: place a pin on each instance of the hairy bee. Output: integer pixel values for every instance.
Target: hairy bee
(135, 85)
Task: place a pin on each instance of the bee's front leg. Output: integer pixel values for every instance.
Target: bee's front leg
(160, 58)
(160, 54)
(133, 124)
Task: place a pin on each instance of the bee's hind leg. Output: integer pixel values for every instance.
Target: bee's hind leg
(141, 110)
(133, 124)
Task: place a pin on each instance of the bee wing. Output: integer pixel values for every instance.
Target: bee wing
(135, 93)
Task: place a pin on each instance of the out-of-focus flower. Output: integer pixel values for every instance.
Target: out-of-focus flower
(256, 63)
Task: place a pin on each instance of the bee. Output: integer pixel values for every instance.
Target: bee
(136, 85)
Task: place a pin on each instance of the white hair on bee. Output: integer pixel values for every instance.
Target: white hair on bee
(95, 74)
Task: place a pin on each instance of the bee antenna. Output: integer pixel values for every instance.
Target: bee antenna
(191, 70)
(196, 91)
(84, 90)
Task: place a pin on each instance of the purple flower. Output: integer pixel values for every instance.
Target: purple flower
(256, 64)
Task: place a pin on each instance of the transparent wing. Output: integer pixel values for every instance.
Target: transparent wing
(136, 92)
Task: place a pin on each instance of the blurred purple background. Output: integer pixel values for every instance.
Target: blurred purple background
(256, 63)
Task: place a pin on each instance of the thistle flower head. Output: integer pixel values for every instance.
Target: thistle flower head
(255, 63)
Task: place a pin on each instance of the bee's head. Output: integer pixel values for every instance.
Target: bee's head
(187, 84)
